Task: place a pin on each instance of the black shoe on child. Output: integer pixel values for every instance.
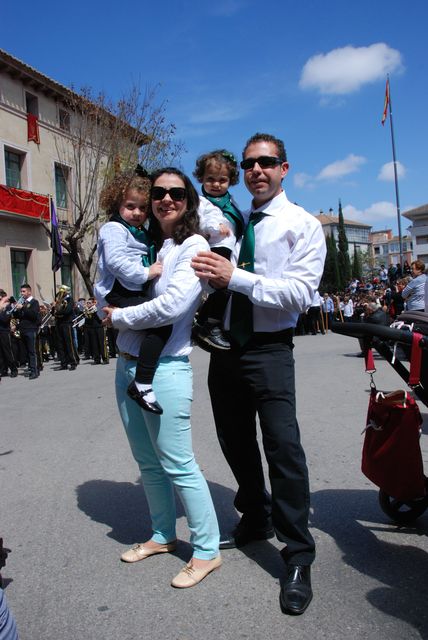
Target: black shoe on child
(210, 337)
(138, 396)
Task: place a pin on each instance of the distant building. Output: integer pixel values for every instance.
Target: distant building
(385, 248)
(419, 231)
(357, 233)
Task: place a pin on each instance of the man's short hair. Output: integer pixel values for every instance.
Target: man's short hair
(267, 137)
(25, 286)
(420, 266)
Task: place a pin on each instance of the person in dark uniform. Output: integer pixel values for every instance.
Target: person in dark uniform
(27, 311)
(95, 332)
(275, 270)
(7, 360)
(64, 316)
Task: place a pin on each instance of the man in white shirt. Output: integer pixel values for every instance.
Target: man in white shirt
(257, 375)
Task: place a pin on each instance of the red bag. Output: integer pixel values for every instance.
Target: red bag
(392, 456)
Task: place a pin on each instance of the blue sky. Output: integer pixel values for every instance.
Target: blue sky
(312, 73)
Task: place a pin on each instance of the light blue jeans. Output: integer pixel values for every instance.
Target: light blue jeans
(162, 447)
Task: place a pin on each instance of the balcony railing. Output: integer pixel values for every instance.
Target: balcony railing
(24, 204)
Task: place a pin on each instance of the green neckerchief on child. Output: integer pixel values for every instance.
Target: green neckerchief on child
(229, 209)
(140, 235)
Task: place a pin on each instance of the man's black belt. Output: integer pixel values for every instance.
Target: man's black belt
(271, 337)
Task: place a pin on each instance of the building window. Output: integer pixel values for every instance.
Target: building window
(64, 120)
(61, 180)
(421, 239)
(66, 271)
(13, 163)
(377, 251)
(32, 104)
(19, 262)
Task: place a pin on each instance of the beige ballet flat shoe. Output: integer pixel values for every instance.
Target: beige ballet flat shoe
(140, 552)
(190, 576)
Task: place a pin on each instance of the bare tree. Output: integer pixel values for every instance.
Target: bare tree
(104, 137)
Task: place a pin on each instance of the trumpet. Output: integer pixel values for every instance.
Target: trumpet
(20, 300)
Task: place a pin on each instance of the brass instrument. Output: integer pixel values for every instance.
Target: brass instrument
(60, 302)
(46, 318)
(20, 300)
(78, 320)
(14, 323)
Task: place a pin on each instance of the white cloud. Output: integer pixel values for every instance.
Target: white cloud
(346, 70)
(386, 172)
(301, 180)
(376, 214)
(340, 168)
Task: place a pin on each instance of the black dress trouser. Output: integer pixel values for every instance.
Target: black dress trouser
(260, 380)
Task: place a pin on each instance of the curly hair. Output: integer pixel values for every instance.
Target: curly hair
(220, 156)
(267, 137)
(114, 193)
(188, 225)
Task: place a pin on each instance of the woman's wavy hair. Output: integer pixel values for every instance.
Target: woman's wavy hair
(188, 225)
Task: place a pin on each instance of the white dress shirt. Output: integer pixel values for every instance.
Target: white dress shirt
(119, 257)
(288, 265)
(176, 297)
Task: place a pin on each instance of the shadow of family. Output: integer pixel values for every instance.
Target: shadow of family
(351, 517)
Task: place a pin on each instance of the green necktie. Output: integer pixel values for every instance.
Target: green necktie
(241, 312)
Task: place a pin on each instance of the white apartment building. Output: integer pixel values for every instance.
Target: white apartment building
(419, 231)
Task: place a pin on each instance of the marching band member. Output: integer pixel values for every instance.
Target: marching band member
(7, 360)
(95, 333)
(64, 315)
(27, 311)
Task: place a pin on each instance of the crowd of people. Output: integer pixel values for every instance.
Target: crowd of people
(389, 291)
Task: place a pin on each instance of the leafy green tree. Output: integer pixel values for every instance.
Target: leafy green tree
(331, 280)
(356, 264)
(343, 259)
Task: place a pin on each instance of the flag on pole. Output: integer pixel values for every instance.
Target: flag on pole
(55, 240)
(386, 103)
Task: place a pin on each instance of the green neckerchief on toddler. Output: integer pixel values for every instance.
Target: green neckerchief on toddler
(140, 235)
(229, 209)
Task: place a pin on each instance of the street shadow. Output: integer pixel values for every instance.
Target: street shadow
(122, 506)
(402, 568)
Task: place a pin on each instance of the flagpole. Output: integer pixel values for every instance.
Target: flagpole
(53, 272)
(397, 197)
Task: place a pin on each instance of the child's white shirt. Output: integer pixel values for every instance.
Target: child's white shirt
(210, 219)
(119, 258)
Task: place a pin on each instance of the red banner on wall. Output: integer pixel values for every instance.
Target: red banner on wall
(24, 203)
(33, 128)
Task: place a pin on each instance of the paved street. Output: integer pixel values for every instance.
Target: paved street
(71, 503)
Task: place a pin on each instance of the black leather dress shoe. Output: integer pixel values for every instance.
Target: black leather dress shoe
(244, 534)
(296, 592)
(138, 396)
